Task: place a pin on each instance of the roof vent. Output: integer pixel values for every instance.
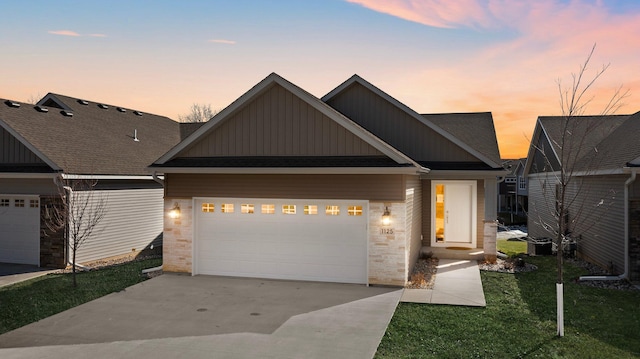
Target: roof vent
(83, 102)
(137, 113)
(12, 103)
(103, 106)
(135, 135)
(67, 113)
(120, 109)
(41, 109)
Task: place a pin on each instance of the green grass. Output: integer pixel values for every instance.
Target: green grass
(41, 297)
(511, 248)
(520, 321)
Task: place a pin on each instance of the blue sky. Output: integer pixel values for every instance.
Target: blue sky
(434, 56)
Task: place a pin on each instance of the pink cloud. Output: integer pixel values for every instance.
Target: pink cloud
(64, 32)
(223, 41)
(97, 35)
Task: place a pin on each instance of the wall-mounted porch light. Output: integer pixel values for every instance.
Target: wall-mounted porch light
(386, 217)
(175, 211)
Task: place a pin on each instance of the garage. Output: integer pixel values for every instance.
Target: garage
(316, 240)
(20, 229)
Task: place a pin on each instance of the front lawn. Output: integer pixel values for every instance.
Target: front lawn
(511, 248)
(41, 297)
(520, 321)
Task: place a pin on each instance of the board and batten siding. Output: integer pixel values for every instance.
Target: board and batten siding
(370, 187)
(398, 128)
(278, 123)
(13, 151)
(413, 220)
(132, 222)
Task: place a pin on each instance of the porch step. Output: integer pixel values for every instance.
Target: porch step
(455, 253)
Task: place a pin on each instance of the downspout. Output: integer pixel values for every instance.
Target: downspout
(624, 275)
(69, 193)
(155, 177)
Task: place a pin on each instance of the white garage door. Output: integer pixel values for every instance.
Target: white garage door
(318, 240)
(20, 229)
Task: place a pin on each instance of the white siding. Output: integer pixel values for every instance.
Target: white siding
(133, 220)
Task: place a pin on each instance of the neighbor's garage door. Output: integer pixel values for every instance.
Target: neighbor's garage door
(20, 229)
(318, 240)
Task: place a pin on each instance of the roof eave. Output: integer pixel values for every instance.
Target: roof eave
(290, 170)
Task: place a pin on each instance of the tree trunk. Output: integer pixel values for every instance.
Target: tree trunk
(73, 268)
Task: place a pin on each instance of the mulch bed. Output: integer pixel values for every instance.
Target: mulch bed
(423, 275)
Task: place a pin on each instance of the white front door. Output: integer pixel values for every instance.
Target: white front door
(453, 213)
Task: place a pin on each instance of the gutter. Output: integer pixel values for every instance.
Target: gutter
(156, 178)
(624, 275)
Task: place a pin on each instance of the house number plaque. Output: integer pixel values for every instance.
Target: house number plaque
(386, 230)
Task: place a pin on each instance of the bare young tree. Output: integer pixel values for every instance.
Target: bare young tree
(566, 210)
(78, 212)
(33, 99)
(198, 113)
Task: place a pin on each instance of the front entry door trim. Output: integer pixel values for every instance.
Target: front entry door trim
(454, 213)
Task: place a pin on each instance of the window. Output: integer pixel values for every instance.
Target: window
(288, 209)
(522, 183)
(226, 208)
(208, 207)
(332, 210)
(268, 209)
(246, 208)
(355, 210)
(510, 180)
(4, 202)
(34, 203)
(18, 203)
(310, 209)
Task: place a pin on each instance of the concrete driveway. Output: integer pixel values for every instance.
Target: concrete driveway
(207, 316)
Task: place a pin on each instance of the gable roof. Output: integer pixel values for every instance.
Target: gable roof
(490, 156)
(80, 137)
(597, 144)
(476, 129)
(172, 157)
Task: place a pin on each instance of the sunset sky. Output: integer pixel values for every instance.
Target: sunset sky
(435, 56)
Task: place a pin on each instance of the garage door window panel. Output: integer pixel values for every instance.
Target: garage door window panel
(247, 208)
(310, 209)
(355, 210)
(208, 207)
(34, 203)
(4, 202)
(268, 209)
(18, 203)
(332, 210)
(288, 209)
(226, 208)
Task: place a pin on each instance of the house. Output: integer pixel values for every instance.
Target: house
(347, 188)
(62, 139)
(512, 191)
(601, 154)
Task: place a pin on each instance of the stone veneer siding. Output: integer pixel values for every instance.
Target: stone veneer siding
(52, 243)
(177, 242)
(388, 262)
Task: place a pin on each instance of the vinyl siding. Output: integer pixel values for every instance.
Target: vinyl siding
(601, 227)
(370, 187)
(541, 205)
(14, 152)
(397, 127)
(133, 220)
(413, 220)
(278, 123)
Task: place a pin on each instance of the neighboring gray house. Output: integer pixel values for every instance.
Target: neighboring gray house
(512, 191)
(347, 188)
(68, 138)
(604, 217)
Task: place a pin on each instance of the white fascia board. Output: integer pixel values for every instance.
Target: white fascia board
(409, 111)
(28, 175)
(105, 177)
(31, 147)
(289, 170)
(451, 174)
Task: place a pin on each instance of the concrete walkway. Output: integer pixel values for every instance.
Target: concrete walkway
(457, 283)
(15, 273)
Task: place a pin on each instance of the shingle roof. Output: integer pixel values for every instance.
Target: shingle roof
(597, 143)
(475, 129)
(94, 140)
